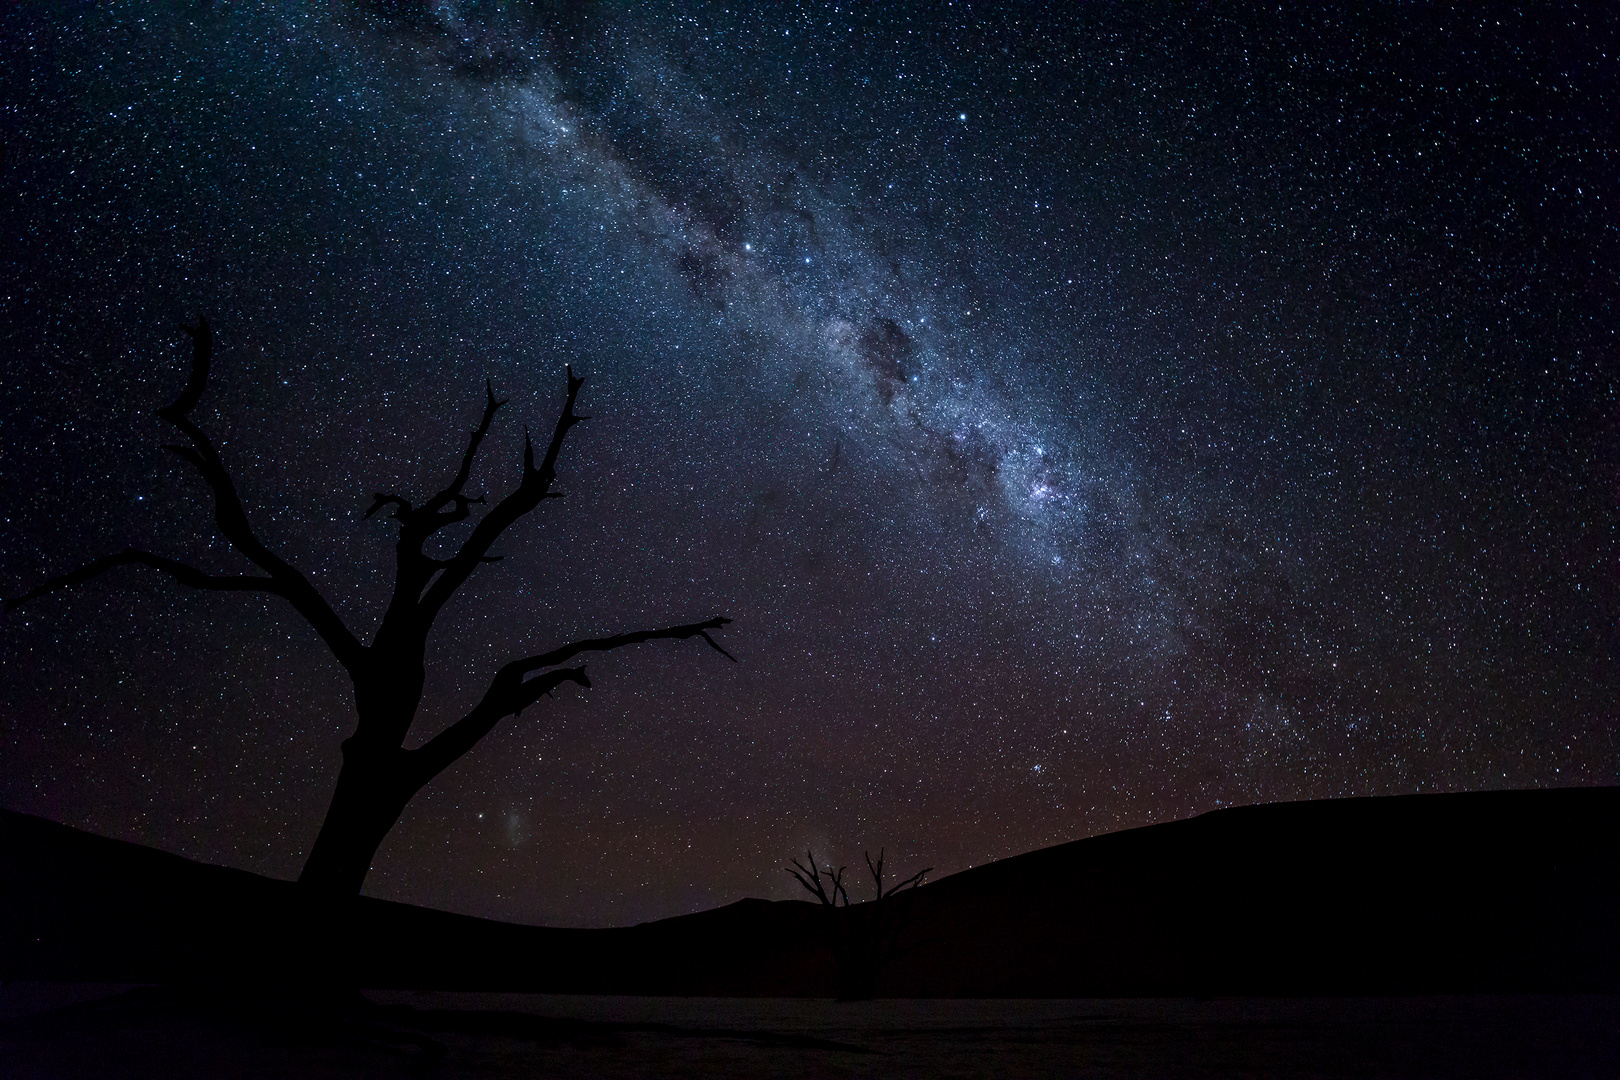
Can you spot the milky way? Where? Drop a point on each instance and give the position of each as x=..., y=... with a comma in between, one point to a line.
x=1088, y=418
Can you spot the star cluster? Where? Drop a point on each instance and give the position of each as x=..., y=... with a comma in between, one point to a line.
x=1089, y=416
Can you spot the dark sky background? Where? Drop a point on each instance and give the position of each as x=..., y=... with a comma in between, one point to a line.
x=1091, y=416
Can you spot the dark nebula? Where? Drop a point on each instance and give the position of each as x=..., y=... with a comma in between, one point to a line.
x=1090, y=416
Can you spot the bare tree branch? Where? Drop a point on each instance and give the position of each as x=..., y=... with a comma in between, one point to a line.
x=535, y=486
x=231, y=518
x=463, y=474
x=451, y=503
x=573, y=649
x=511, y=691
x=181, y=572
x=877, y=875
x=202, y=358
x=402, y=505
x=810, y=876
x=445, y=748
x=911, y=882
x=414, y=569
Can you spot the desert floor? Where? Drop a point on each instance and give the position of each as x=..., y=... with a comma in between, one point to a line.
x=110, y=1032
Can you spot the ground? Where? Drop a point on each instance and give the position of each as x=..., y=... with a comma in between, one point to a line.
x=112, y=1032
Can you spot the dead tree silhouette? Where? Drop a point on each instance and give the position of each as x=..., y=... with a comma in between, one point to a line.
x=378, y=775
x=865, y=937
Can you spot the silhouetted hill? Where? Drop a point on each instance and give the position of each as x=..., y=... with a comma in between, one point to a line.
x=1478, y=892
x=1482, y=892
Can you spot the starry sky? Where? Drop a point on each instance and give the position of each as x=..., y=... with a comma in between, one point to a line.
x=1090, y=415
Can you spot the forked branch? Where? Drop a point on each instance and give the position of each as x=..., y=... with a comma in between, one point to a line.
x=451, y=503
x=512, y=691
x=229, y=515
x=535, y=486
x=877, y=876
x=827, y=888
x=519, y=668
x=414, y=568
x=463, y=474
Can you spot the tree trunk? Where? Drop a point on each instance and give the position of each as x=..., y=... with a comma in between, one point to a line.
x=371, y=794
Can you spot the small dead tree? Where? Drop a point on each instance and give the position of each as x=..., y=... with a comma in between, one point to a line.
x=378, y=775
x=865, y=937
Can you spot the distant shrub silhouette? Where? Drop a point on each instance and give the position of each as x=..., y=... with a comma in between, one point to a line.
x=379, y=776
x=862, y=937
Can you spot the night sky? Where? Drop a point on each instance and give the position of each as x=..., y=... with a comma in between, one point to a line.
x=1090, y=416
